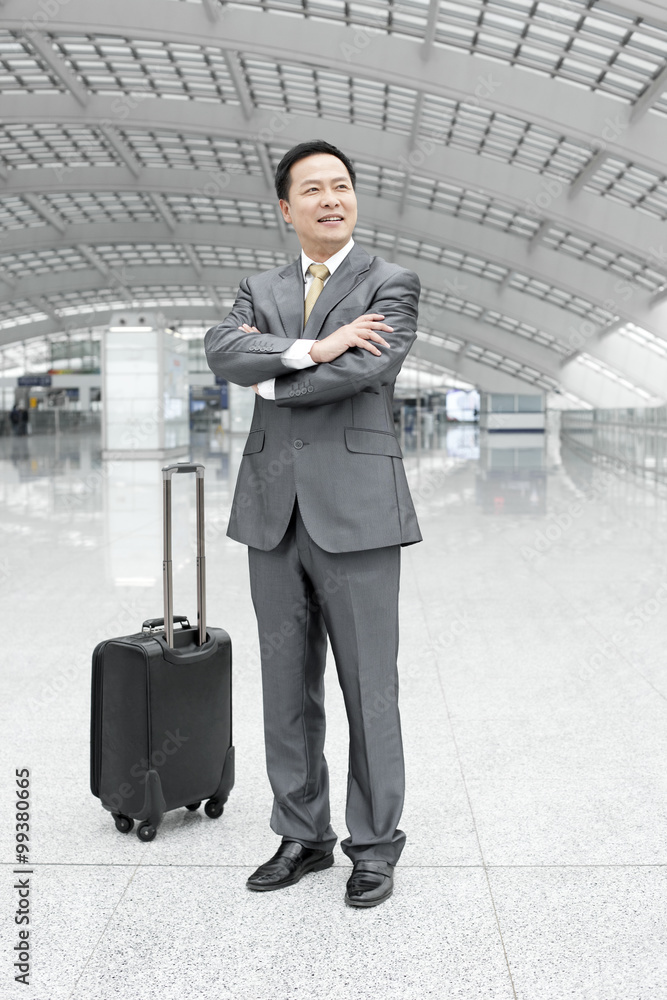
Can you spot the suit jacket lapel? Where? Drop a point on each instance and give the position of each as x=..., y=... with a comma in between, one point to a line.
x=346, y=277
x=288, y=293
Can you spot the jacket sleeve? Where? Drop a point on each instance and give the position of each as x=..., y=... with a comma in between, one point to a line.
x=240, y=357
x=357, y=370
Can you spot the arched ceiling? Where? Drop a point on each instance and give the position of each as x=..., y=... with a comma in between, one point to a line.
x=509, y=151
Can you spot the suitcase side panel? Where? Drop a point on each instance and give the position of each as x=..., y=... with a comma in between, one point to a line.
x=96, y=718
x=124, y=725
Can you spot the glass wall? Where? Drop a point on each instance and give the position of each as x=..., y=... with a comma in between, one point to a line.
x=634, y=439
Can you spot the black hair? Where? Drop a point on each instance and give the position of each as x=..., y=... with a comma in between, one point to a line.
x=300, y=152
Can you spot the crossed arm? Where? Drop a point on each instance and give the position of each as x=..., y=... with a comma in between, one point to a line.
x=354, y=358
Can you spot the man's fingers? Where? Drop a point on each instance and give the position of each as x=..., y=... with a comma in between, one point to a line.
x=372, y=335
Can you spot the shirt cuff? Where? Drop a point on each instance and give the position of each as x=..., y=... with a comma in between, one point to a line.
x=267, y=388
x=297, y=355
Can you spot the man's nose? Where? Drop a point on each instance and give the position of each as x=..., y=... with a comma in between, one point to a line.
x=330, y=198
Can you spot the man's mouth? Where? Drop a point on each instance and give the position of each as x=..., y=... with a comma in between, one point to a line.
x=331, y=218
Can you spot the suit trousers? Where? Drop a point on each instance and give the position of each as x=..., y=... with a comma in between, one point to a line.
x=301, y=593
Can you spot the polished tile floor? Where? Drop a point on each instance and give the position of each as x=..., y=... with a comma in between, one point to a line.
x=533, y=696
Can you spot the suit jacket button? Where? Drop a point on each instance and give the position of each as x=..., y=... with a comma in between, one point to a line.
x=298, y=444
x=291, y=392
x=310, y=388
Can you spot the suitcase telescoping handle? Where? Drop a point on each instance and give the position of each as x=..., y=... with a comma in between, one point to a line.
x=167, y=473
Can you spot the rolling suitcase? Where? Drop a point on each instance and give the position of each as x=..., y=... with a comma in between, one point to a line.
x=161, y=706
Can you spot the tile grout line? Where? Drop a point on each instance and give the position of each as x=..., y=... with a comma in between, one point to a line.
x=105, y=928
x=452, y=867
x=467, y=793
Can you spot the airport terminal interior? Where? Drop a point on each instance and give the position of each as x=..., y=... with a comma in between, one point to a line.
x=512, y=154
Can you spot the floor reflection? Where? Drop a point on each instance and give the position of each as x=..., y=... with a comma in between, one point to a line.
x=512, y=477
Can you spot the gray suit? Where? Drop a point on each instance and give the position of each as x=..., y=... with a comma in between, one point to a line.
x=323, y=504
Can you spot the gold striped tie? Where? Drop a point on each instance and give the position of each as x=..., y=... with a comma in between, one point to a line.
x=319, y=272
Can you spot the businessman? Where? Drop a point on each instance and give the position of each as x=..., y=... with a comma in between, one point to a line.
x=323, y=505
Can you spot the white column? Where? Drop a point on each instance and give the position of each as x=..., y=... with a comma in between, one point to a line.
x=144, y=389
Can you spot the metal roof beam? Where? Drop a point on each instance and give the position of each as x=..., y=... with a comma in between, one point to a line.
x=239, y=81
x=652, y=10
x=431, y=28
x=495, y=338
x=194, y=260
x=624, y=298
x=589, y=171
x=121, y=148
x=440, y=321
x=646, y=100
x=111, y=275
x=592, y=117
x=468, y=370
x=163, y=210
x=213, y=11
x=8, y=278
x=513, y=304
x=46, y=213
x=534, y=195
x=57, y=65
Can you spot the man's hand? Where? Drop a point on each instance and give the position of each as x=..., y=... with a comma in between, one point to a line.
x=361, y=332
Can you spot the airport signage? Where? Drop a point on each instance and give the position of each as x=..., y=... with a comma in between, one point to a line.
x=28, y=380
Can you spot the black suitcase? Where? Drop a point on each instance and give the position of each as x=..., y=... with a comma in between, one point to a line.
x=161, y=706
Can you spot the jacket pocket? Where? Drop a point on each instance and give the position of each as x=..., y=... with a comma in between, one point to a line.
x=254, y=443
x=367, y=442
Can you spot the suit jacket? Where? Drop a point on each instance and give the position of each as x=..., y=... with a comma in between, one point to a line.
x=328, y=438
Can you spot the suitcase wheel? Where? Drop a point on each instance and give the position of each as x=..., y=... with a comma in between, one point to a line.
x=123, y=823
x=213, y=808
x=146, y=832
x=193, y=807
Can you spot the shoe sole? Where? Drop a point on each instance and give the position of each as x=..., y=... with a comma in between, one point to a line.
x=318, y=866
x=368, y=902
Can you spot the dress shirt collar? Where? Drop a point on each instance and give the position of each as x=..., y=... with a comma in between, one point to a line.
x=332, y=263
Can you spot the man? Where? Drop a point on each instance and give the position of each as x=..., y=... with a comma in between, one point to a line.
x=323, y=504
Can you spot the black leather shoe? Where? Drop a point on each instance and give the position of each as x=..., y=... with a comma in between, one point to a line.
x=288, y=865
x=370, y=883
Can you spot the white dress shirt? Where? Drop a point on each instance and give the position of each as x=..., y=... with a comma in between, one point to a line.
x=298, y=355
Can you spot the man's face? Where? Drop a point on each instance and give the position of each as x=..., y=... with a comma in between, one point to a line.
x=322, y=205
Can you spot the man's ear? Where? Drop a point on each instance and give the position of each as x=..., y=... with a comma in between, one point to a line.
x=284, y=208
